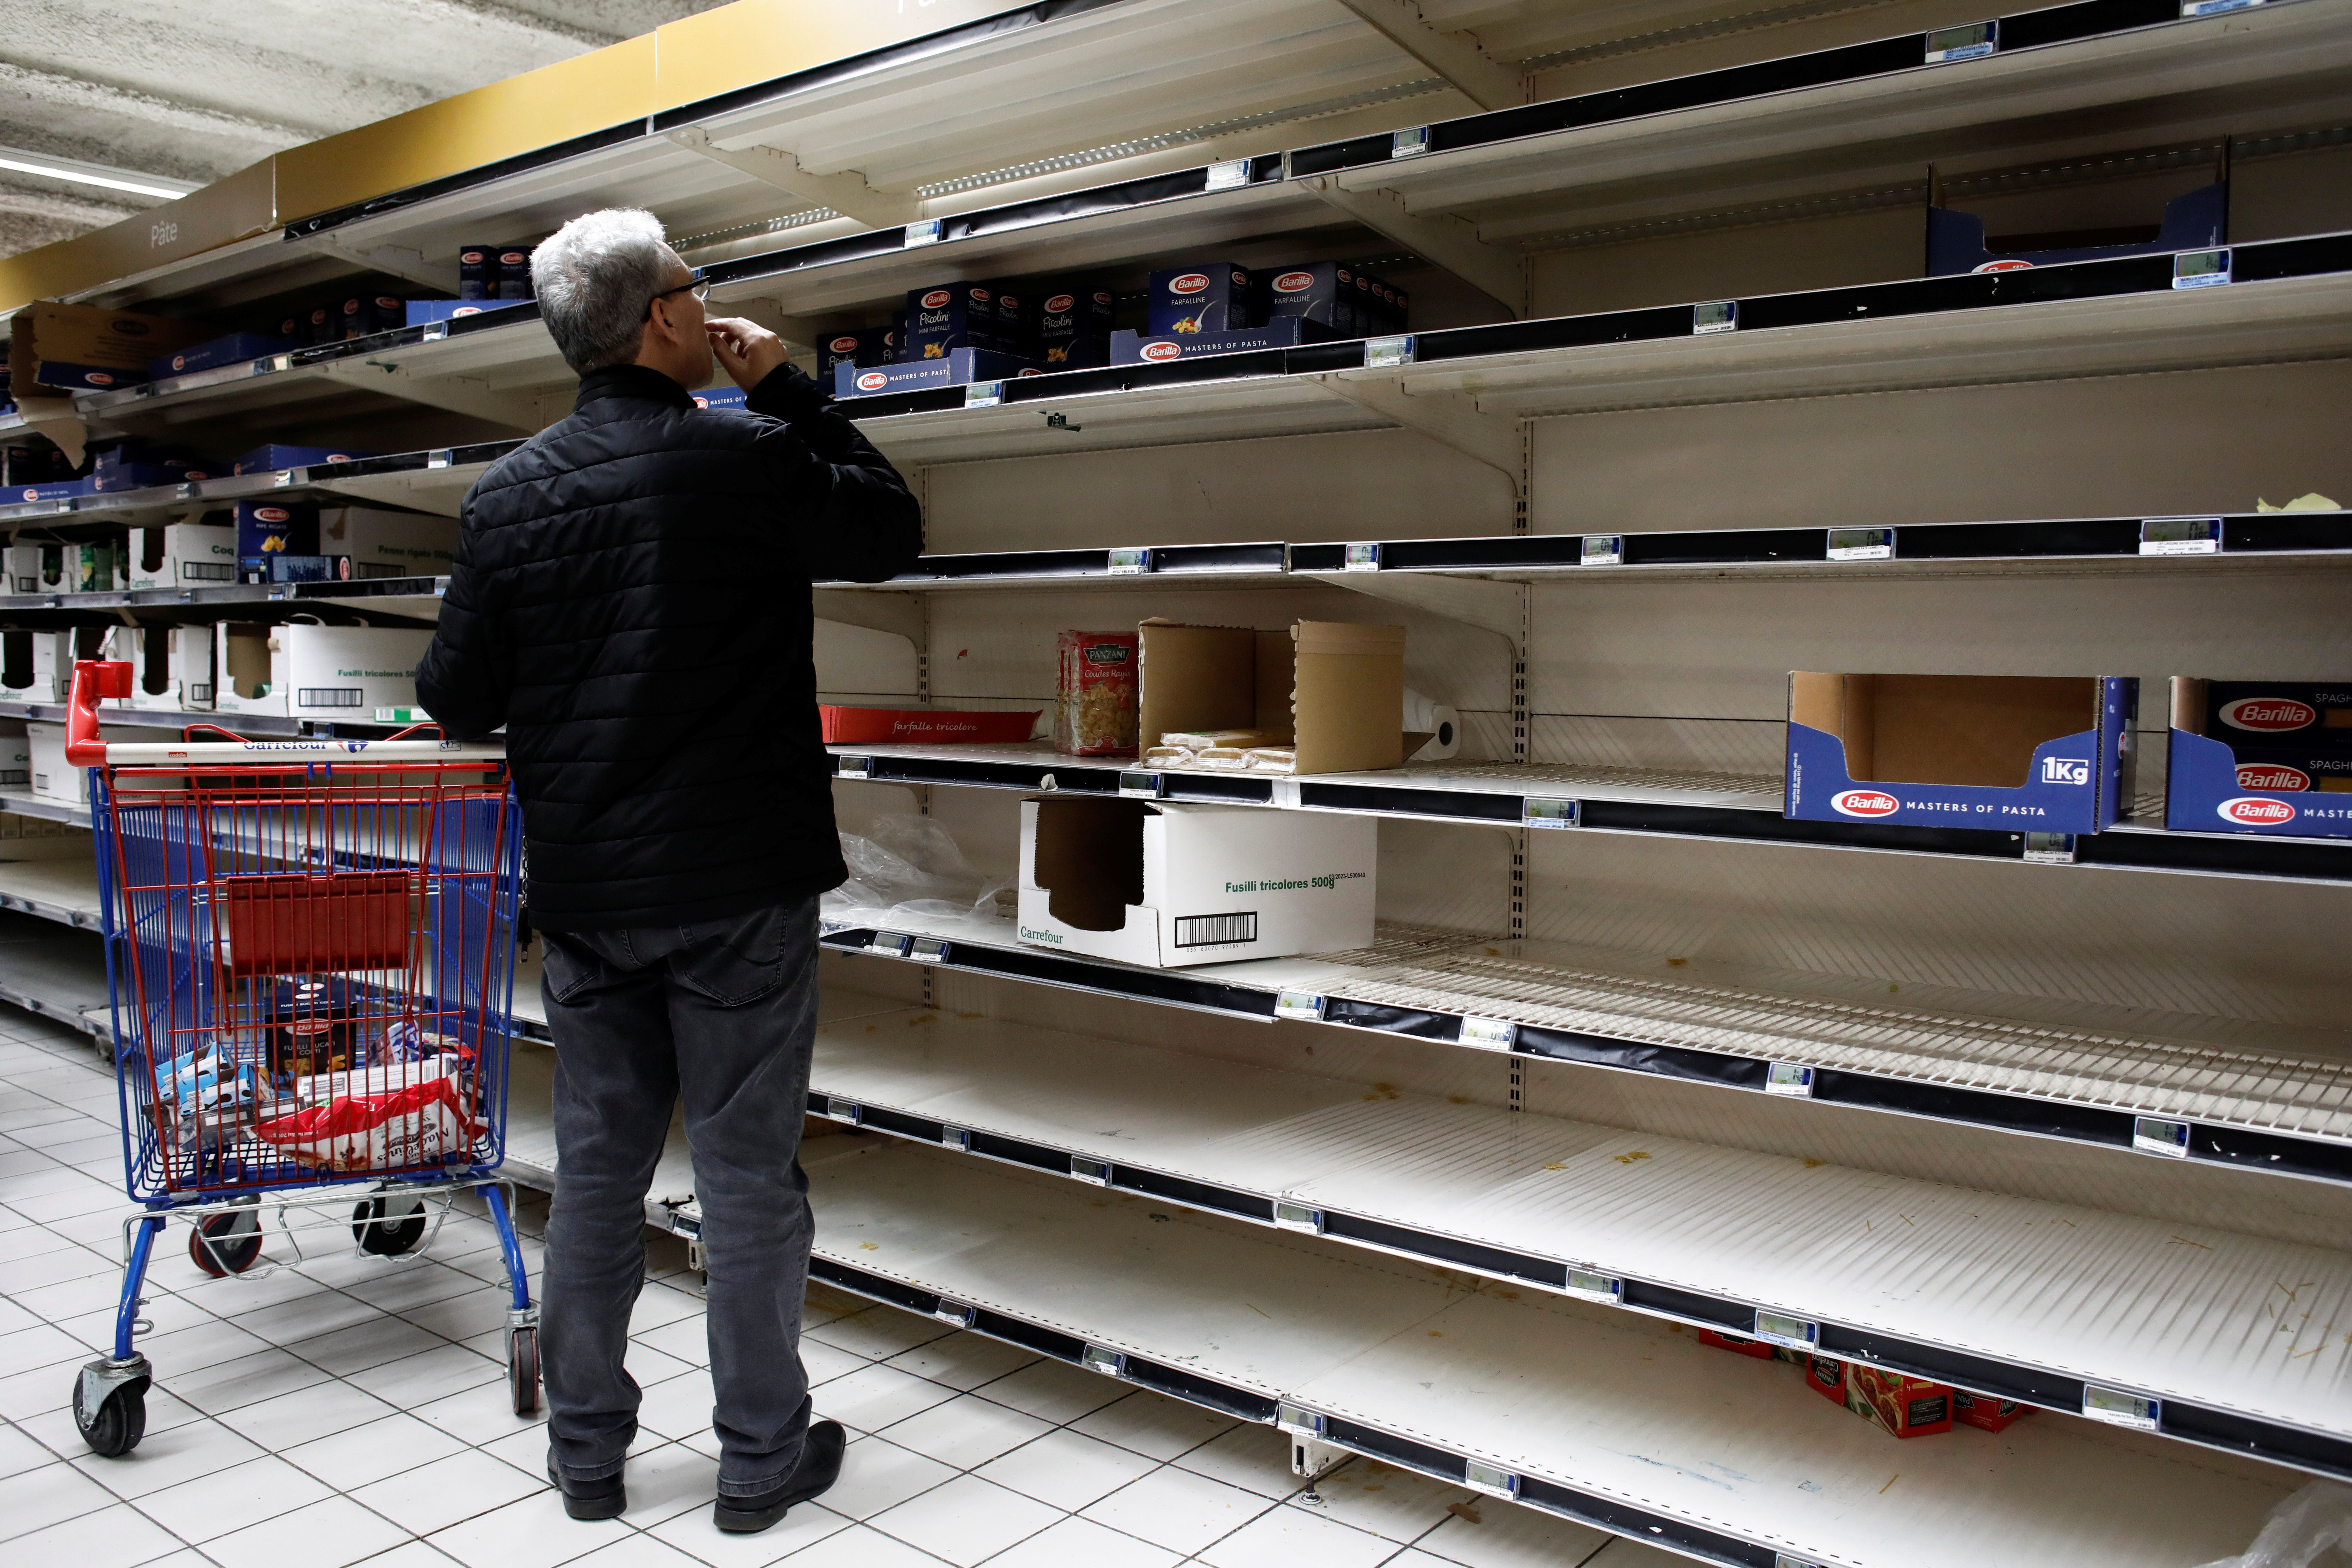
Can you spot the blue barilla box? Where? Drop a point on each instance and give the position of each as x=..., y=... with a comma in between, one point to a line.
x=2248, y=757
x=2006, y=752
x=1282, y=333
x=960, y=368
x=235, y=349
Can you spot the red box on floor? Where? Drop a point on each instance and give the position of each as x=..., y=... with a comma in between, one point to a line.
x=1825, y=1376
x=1983, y=1410
x=878, y=726
x=1907, y=1406
x=1736, y=1344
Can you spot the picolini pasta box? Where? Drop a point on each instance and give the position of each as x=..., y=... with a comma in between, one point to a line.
x=1097, y=687
x=881, y=726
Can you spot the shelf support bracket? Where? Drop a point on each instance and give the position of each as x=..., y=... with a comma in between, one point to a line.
x=1449, y=418
x=846, y=193
x=901, y=614
x=1463, y=65
x=1447, y=242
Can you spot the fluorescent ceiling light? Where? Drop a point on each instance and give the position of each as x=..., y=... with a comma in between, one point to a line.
x=81, y=173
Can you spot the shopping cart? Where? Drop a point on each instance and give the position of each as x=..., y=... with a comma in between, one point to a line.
x=310, y=954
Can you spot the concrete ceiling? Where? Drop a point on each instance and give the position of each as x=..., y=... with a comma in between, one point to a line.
x=193, y=89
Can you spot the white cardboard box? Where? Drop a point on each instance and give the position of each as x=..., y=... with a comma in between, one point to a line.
x=170, y=666
x=389, y=543
x=53, y=777
x=24, y=571
x=53, y=662
x=1169, y=886
x=16, y=757
x=303, y=671
x=182, y=555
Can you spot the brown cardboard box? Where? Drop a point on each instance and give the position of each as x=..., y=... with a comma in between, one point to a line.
x=84, y=334
x=1943, y=729
x=1337, y=686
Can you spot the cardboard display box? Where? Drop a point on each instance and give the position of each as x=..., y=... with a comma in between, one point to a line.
x=1282, y=333
x=959, y=367
x=2035, y=753
x=16, y=756
x=170, y=666
x=182, y=555
x=303, y=671
x=1169, y=886
x=2259, y=757
x=81, y=348
x=53, y=777
x=1337, y=686
x=382, y=543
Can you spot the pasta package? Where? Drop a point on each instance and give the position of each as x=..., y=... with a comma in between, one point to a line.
x=1096, y=716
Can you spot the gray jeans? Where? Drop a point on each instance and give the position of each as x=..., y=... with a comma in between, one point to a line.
x=719, y=1017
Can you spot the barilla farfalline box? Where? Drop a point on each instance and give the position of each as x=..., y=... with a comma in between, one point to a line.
x=324, y=324
x=2271, y=757
x=182, y=555
x=382, y=544
x=1320, y=292
x=2008, y=752
x=1017, y=311
x=477, y=272
x=1984, y=1410
x=1904, y=1406
x=947, y=317
x=514, y=273
x=1168, y=885
x=1073, y=326
x=859, y=346
x=265, y=527
x=1211, y=297
x=235, y=349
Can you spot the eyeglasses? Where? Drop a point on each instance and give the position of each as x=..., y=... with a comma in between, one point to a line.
x=699, y=287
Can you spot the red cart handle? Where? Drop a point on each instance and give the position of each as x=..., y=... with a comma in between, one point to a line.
x=93, y=680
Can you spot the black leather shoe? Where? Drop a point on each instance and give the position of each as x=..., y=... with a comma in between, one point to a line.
x=820, y=1467
x=606, y=1499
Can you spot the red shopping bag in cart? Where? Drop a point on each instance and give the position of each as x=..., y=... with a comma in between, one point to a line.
x=419, y=1125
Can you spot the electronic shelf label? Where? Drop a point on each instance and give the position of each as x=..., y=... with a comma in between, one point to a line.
x=2213, y=7
x=928, y=950
x=1105, y=1360
x=2050, y=849
x=1602, y=550
x=891, y=942
x=1963, y=43
x=1537, y=811
x=845, y=1111
x=1409, y=143
x=1592, y=1285
x=2200, y=268
x=437, y=459
x=1715, y=316
x=1386, y=353
x=1861, y=544
x=1226, y=175
x=1489, y=1034
x=956, y=1138
x=1130, y=562
x=983, y=394
x=959, y=1314
x=1095, y=1173
x=854, y=768
x=1299, y=1006
x=2117, y=1408
x=2159, y=1136
x=2180, y=536
x=1298, y=1216
x=926, y=232
x=1781, y=1329
x=1142, y=785
x=1793, y=1079
x=1360, y=558
x=1490, y=1479
x=1298, y=1421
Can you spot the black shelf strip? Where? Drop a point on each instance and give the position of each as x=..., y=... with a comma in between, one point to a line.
x=1192, y=1387
x=1190, y=1193
x=1620, y=1519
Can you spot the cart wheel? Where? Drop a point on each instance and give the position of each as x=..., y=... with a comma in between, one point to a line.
x=523, y=1370
x=226, y=1243
x=381, y=1234
x=118, y=1424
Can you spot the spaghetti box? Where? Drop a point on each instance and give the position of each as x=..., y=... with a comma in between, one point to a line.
x=1906, y=1407
x=1168, y=886
x=1739, y=1344
x=1212, y=298
x=2031, y=754
x=948, y=317
x=2259, y=757
x=514, y=273
x=1983, y=1410
x=235, y=349
x=1282, y=333
x=477, y=272
x=376, y=542
x=861, y=346
x=720, y=397
x=960, y=367
x=274, y=460
x=132, y=466
x=417, y=313
x=182, y=555
x=1017, y=313
x=267, y=528
x=1324, y=291
x=1072, y=326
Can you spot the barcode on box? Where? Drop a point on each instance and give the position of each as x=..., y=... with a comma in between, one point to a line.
x=330, y=696
x=207, y=571
x=1210, y=931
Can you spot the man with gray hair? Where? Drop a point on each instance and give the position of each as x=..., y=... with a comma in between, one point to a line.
x=630, y=601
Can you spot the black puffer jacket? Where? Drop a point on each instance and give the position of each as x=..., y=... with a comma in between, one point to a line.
x=631, y=600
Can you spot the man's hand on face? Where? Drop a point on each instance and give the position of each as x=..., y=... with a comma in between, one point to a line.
x=747, y=351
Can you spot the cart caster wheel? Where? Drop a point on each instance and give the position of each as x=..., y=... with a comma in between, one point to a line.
x=226, y=1243
x=523, y=1370
x=381, y=1234
x=119, y=1421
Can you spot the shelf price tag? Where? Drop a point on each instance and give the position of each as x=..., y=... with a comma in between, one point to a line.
x=1385, y=353
x=2213, y=7
x=853, y=767
x=1782, y=1560
x=1715, y=316
x=1861, y=544
x=2180, y=536
x=1409, y=143
x=1106, y=1360
x=1095, y=1173
x=895, y=943
x=1298, y=1216
x=926, y=232
x=1537, y=811
x=1602, y=550
x=1297, y=1420
x=2200, y=268
x=1226, y=175
x=983, y=394
x=1360, y=558
x=2050, y=849
x=956, y=1138
x=844, y=1110
x=1490, y=1479
x=1780, y=1329
x=1142, y=785
x=1299, y=1006
x=959, y=1314
x=1793, y=1078
x=928, y=950
x=2160, y=1135
x=1946, y=45
x=1591, y=1285
x=1130, y=562
x=437, y=459
x=2117, y=1408
x=1489, y=1034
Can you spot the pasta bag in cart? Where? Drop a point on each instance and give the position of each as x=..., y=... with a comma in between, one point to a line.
x=1097, y=687
x=419, y=1125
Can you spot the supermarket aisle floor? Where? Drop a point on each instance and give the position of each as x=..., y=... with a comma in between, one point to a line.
x=353, y=1410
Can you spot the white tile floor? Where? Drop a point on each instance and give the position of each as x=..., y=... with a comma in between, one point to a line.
x=354, y=1410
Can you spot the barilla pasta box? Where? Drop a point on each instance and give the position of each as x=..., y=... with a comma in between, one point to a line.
x=1214, y=297
x=1072, y=326
x=514, y=273
x=272, y=459
x=960, y=367
x=1017, y=310
x=376, y=542
x=1904, y=1406
x=417, y=313
x=1169, y=886
x=1983, y=1410
x=720, y=397
x=862, y=346
x=238, y=348
x=267, y=528
x=477, y=272
x=2011, y=753
x=947, y=317
x=2259, y=757
x=1282, y=333
x=52, y=490
x=1323, y=291
x=324, y=324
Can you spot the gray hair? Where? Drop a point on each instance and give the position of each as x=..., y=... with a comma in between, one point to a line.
x=593, y=278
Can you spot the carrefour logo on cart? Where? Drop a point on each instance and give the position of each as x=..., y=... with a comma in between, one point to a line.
x=1191, y=283
x=1162, y=351
x=1864, y=803
x=2271, y=776
x=2254, y=811
x=2269, y=715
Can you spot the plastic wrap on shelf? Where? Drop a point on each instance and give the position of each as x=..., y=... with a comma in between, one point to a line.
x=909, y=865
